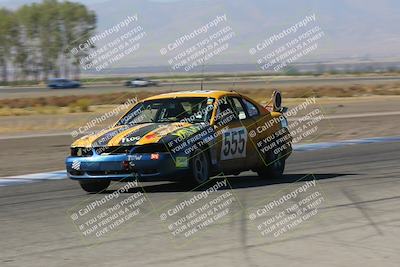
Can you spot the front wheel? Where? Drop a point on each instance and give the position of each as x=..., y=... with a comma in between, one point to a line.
x=200, y=168
x=274, y=167
x=94, y=186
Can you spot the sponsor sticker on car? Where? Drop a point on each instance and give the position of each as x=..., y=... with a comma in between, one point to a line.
x=181, y=162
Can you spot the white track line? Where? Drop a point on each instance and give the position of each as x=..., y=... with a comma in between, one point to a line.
x=62, y=174
x=33, y=177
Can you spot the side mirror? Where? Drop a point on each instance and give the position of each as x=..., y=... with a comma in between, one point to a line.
x=277, y=101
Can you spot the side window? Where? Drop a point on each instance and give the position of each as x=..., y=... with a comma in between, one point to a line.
x=238, y=108
x=252, y=110
x=226, y=111
x=230, y=109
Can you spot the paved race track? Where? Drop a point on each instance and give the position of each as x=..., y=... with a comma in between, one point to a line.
x=357, y=224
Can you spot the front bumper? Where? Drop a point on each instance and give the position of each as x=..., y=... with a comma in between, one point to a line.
x=125, y=167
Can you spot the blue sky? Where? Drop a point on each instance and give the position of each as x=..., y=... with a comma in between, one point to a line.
x=99, y=1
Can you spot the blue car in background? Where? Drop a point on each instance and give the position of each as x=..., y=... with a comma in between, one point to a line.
x=62, y=83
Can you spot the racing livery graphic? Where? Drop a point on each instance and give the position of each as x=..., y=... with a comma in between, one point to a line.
x=186, y=137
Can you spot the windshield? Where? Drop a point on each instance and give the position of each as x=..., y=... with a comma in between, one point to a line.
x=191, y=109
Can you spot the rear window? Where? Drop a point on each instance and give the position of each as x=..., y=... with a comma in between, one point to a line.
x=252, y=109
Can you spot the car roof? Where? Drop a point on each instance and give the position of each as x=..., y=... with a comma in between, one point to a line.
x=198, y=93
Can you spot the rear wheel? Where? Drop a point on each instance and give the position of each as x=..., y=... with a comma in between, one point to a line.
x=94, y=186
x=200, y=168
x=274, y=167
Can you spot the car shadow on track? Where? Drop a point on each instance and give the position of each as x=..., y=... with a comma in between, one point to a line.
x=235, y=182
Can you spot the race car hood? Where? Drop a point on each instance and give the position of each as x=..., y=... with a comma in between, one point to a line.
x=140, y=134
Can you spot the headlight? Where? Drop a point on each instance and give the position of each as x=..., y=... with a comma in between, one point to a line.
x=81, y=152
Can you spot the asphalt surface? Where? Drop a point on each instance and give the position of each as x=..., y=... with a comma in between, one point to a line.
x=7, y=92
x=357, y=224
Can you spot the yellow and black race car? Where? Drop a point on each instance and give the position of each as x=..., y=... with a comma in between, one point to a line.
x=187, y=137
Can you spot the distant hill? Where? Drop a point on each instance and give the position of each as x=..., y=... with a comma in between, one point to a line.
x=353, y=28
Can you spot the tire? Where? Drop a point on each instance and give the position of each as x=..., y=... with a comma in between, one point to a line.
x=274, y=169
x=94, y=186
x=199, y=168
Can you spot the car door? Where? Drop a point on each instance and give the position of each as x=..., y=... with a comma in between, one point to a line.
x=63, y=83
x=254, y=116
x=235, y=152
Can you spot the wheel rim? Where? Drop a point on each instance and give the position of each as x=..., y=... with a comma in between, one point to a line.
x=200, y=168
x=277, y=162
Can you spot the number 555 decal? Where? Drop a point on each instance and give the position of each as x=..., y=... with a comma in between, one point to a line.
x=234, y=143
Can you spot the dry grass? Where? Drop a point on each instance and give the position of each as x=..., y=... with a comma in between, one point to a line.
x=42, y=110
x=74, y=104
x=325, y=91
